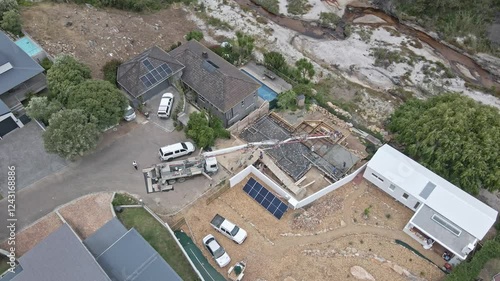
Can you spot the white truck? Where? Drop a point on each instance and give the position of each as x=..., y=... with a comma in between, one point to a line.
x=228, y=229
x=160, y=177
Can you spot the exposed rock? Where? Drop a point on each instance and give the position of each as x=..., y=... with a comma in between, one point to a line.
x=361, y=274
x=398, y=269
x=342, y=223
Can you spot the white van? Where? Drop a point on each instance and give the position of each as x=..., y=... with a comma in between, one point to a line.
x=175, y=150
x=166, y=103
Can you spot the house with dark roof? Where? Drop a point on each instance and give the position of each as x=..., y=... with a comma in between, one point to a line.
x=19, y=75
x=148, y=74
x=111, y=253
x=218, y=86
x=213, y=83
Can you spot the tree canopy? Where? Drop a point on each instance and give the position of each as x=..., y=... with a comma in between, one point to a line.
x=204, y=129
x=42, y=109
x=65, y=73
x=275, y=61
x=11, y=21
x=244, y=46
x=109, y=70
x=71, y=133
x=454, y=136
x=8, y=5
x=99, y=99
x=287, y=99
x=305, y=68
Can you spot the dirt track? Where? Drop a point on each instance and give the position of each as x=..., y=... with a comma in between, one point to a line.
x=95, y=36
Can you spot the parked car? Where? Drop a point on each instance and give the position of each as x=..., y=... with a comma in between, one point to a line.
x=175, y=150
x=166, y=104
x=216, y=250
x=228, y=229
x=129, y=114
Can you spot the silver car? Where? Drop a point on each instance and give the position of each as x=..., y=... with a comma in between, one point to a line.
x=216, y=250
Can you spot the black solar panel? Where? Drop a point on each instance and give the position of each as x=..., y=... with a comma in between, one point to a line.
x=166, y=68
x=148, y=64
x=265, y=198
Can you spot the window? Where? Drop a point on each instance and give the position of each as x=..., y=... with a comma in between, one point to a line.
x=202, y=98
x=447, y=225
x=377, y=177
x=405, y=195
x=416, y=205
x=392, y=187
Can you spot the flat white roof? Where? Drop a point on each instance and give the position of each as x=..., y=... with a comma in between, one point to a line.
x=456, y=205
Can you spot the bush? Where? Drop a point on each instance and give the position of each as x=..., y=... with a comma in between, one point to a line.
x=261, y=20
x=218, y=23
x=194, y=34
x=46, y=63
x=109, y=70
x=272, y=6
x=173, y=46
x=328, y=20
x=298, y=7
x=11, y=22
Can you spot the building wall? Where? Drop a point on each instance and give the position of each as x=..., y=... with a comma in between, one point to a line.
x=241, y=110
x=396, y=192
x=156, y=90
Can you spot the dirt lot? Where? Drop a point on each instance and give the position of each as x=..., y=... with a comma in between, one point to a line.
x=89, y=213
x=95, y=36
x=321, y=242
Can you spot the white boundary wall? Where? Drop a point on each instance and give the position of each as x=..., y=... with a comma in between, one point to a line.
x=313, y=197
x=292, y=201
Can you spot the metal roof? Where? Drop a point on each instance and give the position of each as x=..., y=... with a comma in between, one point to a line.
x=211, y=76
x=131, y=258
x=105, y=236
x=23, y=66
x=454, y=204
x=60, y=257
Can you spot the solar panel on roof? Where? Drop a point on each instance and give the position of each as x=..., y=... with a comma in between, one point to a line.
x=148, y=64
x=265, y=198
x=144, y=79
x=166, y=68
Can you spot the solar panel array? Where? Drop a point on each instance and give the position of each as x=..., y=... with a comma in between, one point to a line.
x=155, y=74
x=265, y=198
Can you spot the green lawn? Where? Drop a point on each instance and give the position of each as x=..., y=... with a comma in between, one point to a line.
x=159, y=238
x=124, y=199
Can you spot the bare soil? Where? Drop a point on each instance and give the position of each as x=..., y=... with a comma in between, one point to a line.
x=88, y=214
x=319, y=242
x=95, y=36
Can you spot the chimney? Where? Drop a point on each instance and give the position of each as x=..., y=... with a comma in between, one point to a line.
x=204, y=55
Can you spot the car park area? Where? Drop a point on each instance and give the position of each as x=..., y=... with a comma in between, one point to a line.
x=152, y=105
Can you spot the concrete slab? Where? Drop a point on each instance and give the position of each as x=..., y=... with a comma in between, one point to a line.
x=24, y=149
x=152, y=106
x=278, y=85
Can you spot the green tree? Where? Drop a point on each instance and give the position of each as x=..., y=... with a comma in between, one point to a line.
x=100, y=99
x=287, y=100
x=219, y=130
x=275, y=61
x=305, y=68
x=11, y=22
x=41, y=108
x=199, y=131
x=454, y=136
x=8, y=5
x=194, y=34
x=245, y=45
x=71, y=133
x=65, y=73
x=303, y=89
x=109, y=70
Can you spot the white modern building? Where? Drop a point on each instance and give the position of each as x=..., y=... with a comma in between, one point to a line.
x=445, y=216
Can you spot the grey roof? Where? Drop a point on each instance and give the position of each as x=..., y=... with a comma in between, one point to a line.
x=4, y=109
x=23, y=66
x=130, y=72
x=218, y=81
x=131, y=258
x=423, y=220
x=60, y=257
x=105, y=236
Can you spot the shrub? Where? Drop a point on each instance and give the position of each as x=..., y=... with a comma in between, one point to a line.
x=272, y=6
x=11, y=22
x=218, y=23
x=328, y=20
x=194, y=34
x=46, y=63
x=109, y=70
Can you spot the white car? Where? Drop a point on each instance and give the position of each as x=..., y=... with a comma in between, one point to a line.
x=129, y=114
x=216, y=250
x=166, y=103
x=175, y=150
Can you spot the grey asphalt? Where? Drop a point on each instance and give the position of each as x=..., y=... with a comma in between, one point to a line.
x=24, y=149
x=153, y=104
x=108, y=169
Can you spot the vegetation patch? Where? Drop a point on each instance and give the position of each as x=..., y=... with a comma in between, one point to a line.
x=272, y=6
x=131, y=5
x=109, y=70
x=329, y=20
x=298, y=7
x=218, y=23
x=385, y=57
x=159, y=238
x=124, y=199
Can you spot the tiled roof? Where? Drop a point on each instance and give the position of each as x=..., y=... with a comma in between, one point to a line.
x=129, y=73
x=218, y=81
